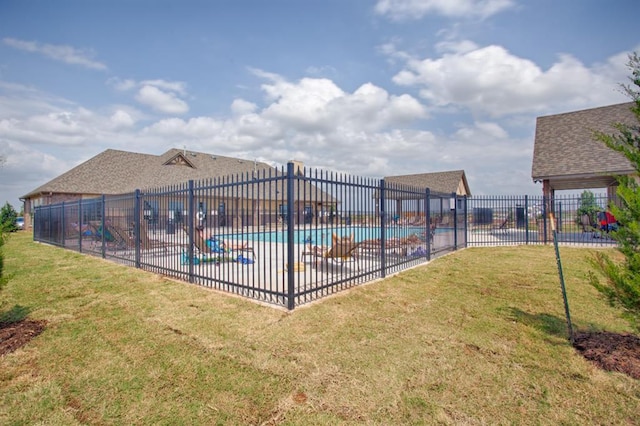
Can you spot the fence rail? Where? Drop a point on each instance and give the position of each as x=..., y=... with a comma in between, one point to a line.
x=288, y=237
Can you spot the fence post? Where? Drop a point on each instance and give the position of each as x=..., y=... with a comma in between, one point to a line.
x=190, y=224
x=291, y=302
x=454, y=197
x=62, y=227
x=80, y=222
x=427, y=209
x=466, y=222
x=136, y=226
x=103, y=211
x=526, y=219
x=545, y=211
x=383, y=231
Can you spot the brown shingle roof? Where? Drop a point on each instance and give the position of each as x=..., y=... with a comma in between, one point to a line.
x=115, y=172
x=565, y=149
x=442, y=182
x=118, y=172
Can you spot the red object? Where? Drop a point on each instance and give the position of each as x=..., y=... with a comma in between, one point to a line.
x=610, y=218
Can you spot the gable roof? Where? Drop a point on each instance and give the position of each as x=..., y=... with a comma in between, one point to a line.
x=118, y=172
x=442, y=182
x=567, y=155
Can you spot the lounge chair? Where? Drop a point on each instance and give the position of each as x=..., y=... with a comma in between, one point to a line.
x=217, y=246
x=147, y=243
x=342, y=248
x=502, y=226
x=445, y=221
x=375, y=245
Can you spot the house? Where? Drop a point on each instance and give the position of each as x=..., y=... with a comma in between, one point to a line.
x=567, y=156
x=441, y=183
x=114, y=172
x=448, y=182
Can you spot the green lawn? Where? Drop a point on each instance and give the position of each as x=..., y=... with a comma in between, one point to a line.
x=476, y=337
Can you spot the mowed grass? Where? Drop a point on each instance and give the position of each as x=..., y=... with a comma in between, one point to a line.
x=476, y=337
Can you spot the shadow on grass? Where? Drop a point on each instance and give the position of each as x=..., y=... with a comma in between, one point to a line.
x=16, y=314
x=549, y=324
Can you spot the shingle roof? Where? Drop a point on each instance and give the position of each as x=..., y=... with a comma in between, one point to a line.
x=119, y=172
x=565, y=149
x=114, y=172
x=442, y=182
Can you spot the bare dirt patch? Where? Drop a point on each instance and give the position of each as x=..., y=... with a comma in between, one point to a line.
x=611, y=351
x=15, y=335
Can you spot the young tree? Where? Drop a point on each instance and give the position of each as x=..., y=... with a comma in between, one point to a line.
x=8, y=216
x=622, y=280
x=588, y=205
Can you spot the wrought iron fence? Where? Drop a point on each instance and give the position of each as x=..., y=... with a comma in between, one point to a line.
x=503, y=220
x=285, y=237
x=288, y=237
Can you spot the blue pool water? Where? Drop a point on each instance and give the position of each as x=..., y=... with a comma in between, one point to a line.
x=322, y=236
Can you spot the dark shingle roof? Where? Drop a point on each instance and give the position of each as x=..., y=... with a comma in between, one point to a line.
x=565, y=148
x=442, y=182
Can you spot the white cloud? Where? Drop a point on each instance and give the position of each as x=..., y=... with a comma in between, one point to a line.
x=161, y=101
x=177, y=87
x=122, y=85
x=302, y=105
x=160, y=95
x=62, y=53
x=240, y=106
x=121, y=120
x=492, y=81
x=51, y=129
x=319, y=105
x=416, y=9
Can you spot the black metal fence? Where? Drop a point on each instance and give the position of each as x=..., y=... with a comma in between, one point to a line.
x=284, y=237
x=503, y=220
x=288, y=237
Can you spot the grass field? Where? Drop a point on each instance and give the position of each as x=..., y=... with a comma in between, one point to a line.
x=476, y=337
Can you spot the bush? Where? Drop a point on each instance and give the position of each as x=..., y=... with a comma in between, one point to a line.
x=622, y=280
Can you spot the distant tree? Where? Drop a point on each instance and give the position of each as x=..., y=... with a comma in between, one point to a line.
x=8, y=216
x=588, y=205
x=622, y=279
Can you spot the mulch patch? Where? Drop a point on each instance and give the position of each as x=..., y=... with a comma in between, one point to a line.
x=611, y=351
x=15, y=335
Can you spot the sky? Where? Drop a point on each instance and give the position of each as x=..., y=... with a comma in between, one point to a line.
x=364, y=87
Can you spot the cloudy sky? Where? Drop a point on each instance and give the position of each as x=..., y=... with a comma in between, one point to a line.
x=368, y=87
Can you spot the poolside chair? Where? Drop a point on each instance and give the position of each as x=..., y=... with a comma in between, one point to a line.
x=445, y=221
x=502, y=226
x=342, y=249
x=217, y=246
x=375, y=245
x=147, y=243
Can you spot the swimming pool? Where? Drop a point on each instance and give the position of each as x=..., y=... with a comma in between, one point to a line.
x=322, y=236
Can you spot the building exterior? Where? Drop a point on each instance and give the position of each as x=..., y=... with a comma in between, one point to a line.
x=114, y=172
x=445, y=183
x=448, y=182
x=567, y=156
